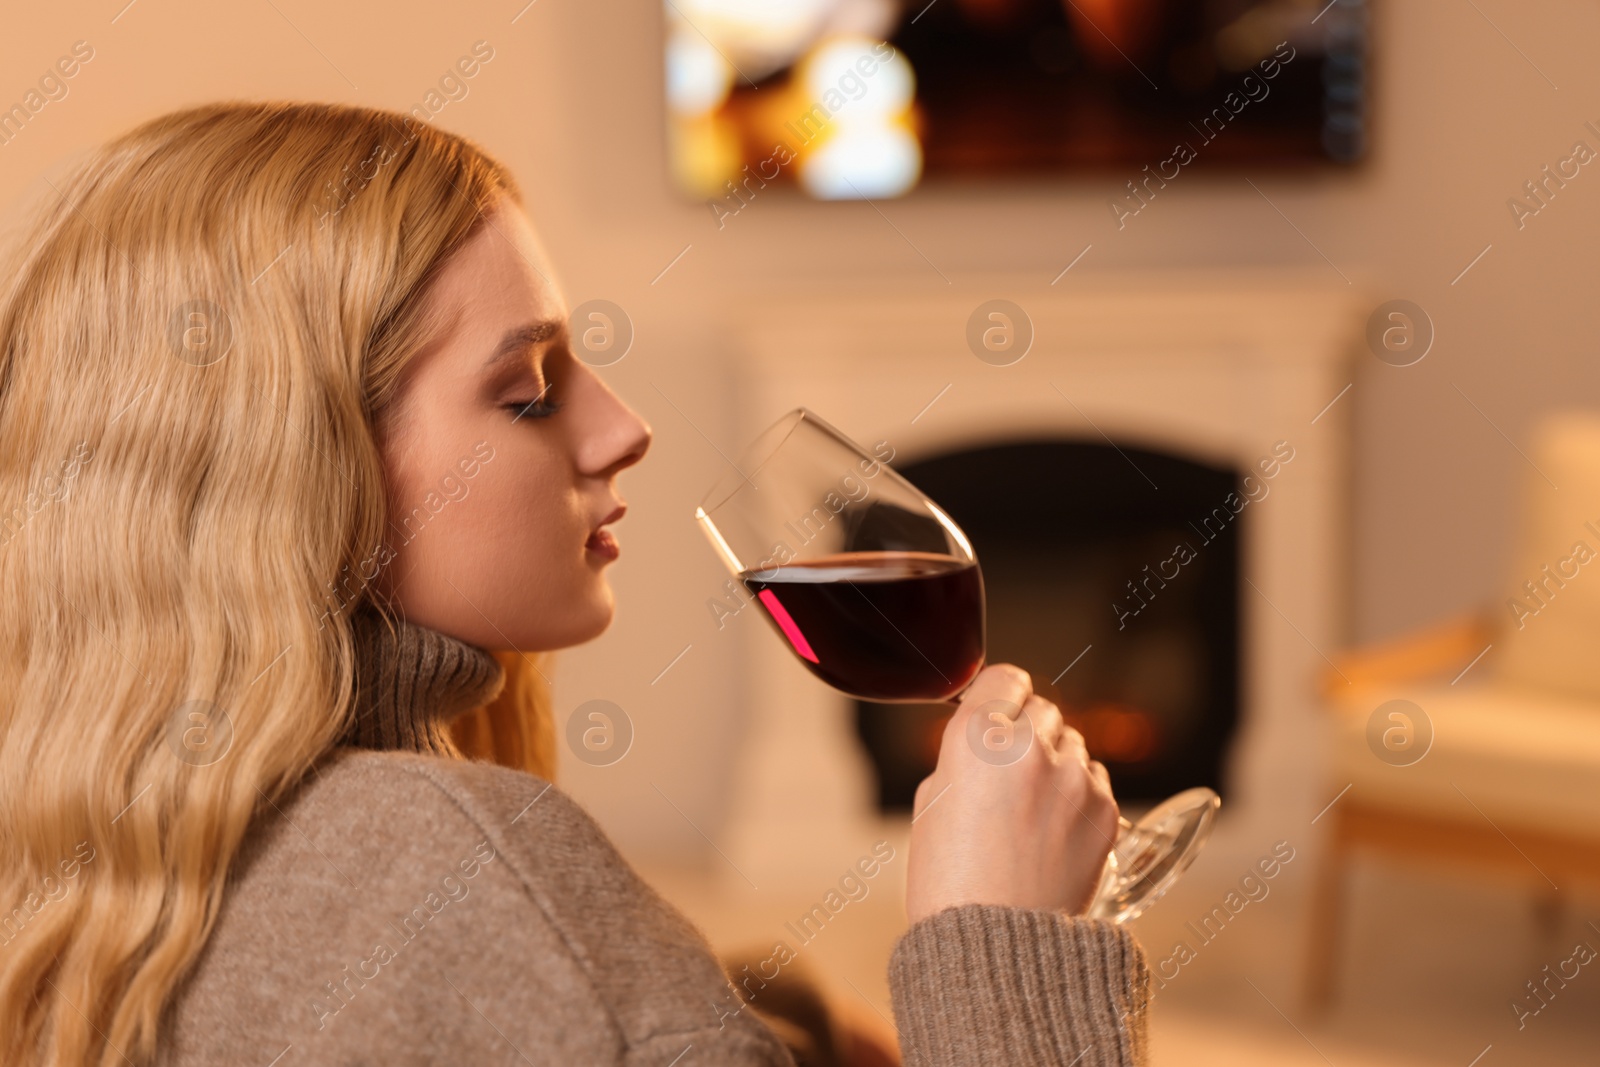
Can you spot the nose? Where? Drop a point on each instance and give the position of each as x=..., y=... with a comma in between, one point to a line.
x=617, y=438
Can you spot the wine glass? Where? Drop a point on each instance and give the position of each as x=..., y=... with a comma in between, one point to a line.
x=878, y=593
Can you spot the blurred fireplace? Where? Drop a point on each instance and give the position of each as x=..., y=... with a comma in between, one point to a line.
x=1196, y=377
x=1077, y=547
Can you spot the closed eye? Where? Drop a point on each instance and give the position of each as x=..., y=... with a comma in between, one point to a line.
x=540, y=407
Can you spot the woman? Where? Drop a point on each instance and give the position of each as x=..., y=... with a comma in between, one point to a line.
x=306, y=475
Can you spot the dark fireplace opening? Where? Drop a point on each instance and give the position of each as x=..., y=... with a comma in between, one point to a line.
x=1112, y=577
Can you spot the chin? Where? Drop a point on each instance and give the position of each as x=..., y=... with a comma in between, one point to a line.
x=587, y=619
x=600, y=625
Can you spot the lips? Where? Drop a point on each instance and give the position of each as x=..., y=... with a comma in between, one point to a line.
x=603, y=542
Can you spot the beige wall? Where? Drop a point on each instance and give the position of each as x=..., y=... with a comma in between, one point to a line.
x=571, y=99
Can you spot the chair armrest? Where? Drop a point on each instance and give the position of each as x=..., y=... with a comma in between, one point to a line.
x=1438, y=648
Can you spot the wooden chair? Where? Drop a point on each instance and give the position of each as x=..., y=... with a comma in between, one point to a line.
x=1510, y=784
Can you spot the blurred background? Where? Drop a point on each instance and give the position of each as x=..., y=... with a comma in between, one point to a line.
x=1304, y=286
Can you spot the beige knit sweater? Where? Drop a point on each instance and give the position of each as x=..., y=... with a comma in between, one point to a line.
x=405, y=907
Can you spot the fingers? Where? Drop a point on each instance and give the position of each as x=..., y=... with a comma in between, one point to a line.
x=1073, y=745
x=1000, y=682
x=1000, y=689
x=1006, y=690
x=1051, y=728
x=1102, y=781
x=1046, y=720
x=1101, y=776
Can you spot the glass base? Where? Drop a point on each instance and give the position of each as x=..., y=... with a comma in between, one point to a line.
x=1151, y=854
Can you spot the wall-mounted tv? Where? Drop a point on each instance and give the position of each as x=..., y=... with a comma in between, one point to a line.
x=850, y=99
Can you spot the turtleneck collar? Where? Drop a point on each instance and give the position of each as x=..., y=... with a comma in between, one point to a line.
x=412, y=680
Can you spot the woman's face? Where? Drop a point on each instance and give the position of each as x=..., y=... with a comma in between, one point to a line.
x=501, y=457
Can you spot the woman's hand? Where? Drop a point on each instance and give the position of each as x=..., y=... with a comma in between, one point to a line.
x=1015, y=812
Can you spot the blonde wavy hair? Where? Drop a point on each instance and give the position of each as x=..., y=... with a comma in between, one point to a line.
x=203, y=328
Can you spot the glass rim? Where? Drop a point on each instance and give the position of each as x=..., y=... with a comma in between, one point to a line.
x=722, y=491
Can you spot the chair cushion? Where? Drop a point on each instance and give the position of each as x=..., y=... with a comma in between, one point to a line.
x=1524, y=756
x=1549, y=607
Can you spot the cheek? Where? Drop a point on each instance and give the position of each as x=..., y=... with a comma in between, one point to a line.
x=516, y=549
x=522, y=513
x=500, y=559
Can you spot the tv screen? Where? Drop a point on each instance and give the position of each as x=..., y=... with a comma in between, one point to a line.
x=852, y=99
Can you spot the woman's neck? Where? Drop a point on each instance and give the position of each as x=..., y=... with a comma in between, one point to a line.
x=412, y=680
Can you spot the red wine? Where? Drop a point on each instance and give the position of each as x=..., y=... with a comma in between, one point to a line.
x=888, y=626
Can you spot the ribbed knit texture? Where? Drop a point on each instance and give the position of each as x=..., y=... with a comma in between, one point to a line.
x=400, y=908
x=411, y=681
x=983, y=983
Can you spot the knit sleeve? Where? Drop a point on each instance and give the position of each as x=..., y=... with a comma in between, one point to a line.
x=985, y=983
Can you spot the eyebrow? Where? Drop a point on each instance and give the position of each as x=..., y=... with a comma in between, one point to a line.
x=519, y=339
